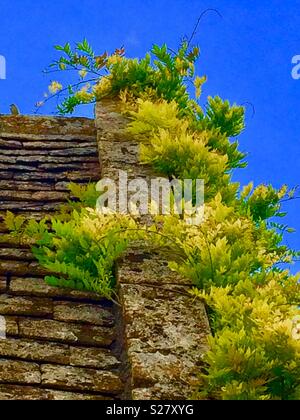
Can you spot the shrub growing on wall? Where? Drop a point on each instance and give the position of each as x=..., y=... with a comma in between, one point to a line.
x=235, y=258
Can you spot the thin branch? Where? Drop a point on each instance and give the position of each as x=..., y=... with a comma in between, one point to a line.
x=149, y=232
x=172, y=51
x=59, y=70
x=74, y=86
x=252, y=106
x=75, y=69
x=198, y=23
x=289, y=199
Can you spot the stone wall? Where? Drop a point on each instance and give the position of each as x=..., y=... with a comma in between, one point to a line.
x=164, y=333
x=63, y=344
x=59, y=343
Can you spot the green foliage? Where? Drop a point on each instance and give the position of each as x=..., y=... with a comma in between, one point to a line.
x=174, y=148
x=81, y=251
x=219, y=114
x=234, y=258
x=263, y=203
x=161, y=74
x=86, y=194
x=254, y=353
x=253, y=307
x=14, y=223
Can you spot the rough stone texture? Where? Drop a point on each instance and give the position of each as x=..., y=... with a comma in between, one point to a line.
x=93, y=358
x=165, y=334
x=21, y=268
x=12, y=327
x=49, y=128
x=11, y=305
x=62, y=344
x=138, y=260
x=83, y=313
x=187, y=333
x=66, y=334
x=39, y=153
x=13, y=392
x=117, y=150
x=17, y=254
x=81, y=379
x=35, y=351
x=33, y=196
x=38, y=287
x=19, y=372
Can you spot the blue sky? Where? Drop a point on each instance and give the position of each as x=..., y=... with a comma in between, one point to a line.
x=246, y=56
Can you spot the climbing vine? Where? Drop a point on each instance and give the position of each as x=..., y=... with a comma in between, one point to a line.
x=235, y=258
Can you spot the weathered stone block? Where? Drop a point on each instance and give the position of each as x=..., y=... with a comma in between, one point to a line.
x=33, y=196
x=12, y=305
x=7, y=241
x=11, y=144
x=34, y=268
x=29, y=393
x=92, y=174
x=12, y=328
x=81, y=379
x=109, y=121
x=166, y=337
x=50, y=148
x=25, y=127
x=160, y=392
x=159, y=319
x=83, y=313
x=141, y=267
x=19, y=372
x=31, y=286
x=122, y=152
x=40, y=160
x=13, y=267
x=29, y=206
x=35, y=351
x=25, y=186
x=16, y=253
x=38, y=287
x=56, y=144
x=21, y=268
x=113, y=173
x=94, y=358
x=172, y=376
x=66, y=332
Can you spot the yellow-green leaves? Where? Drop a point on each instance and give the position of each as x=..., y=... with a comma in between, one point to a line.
x=55, y=87
x=220, y=114
x=153, y=116
x=199, y=82
x=234, y=258
x=246, y=190
x=14, y=223
x=263, y=203
x=253, y=306
x=254, y=354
